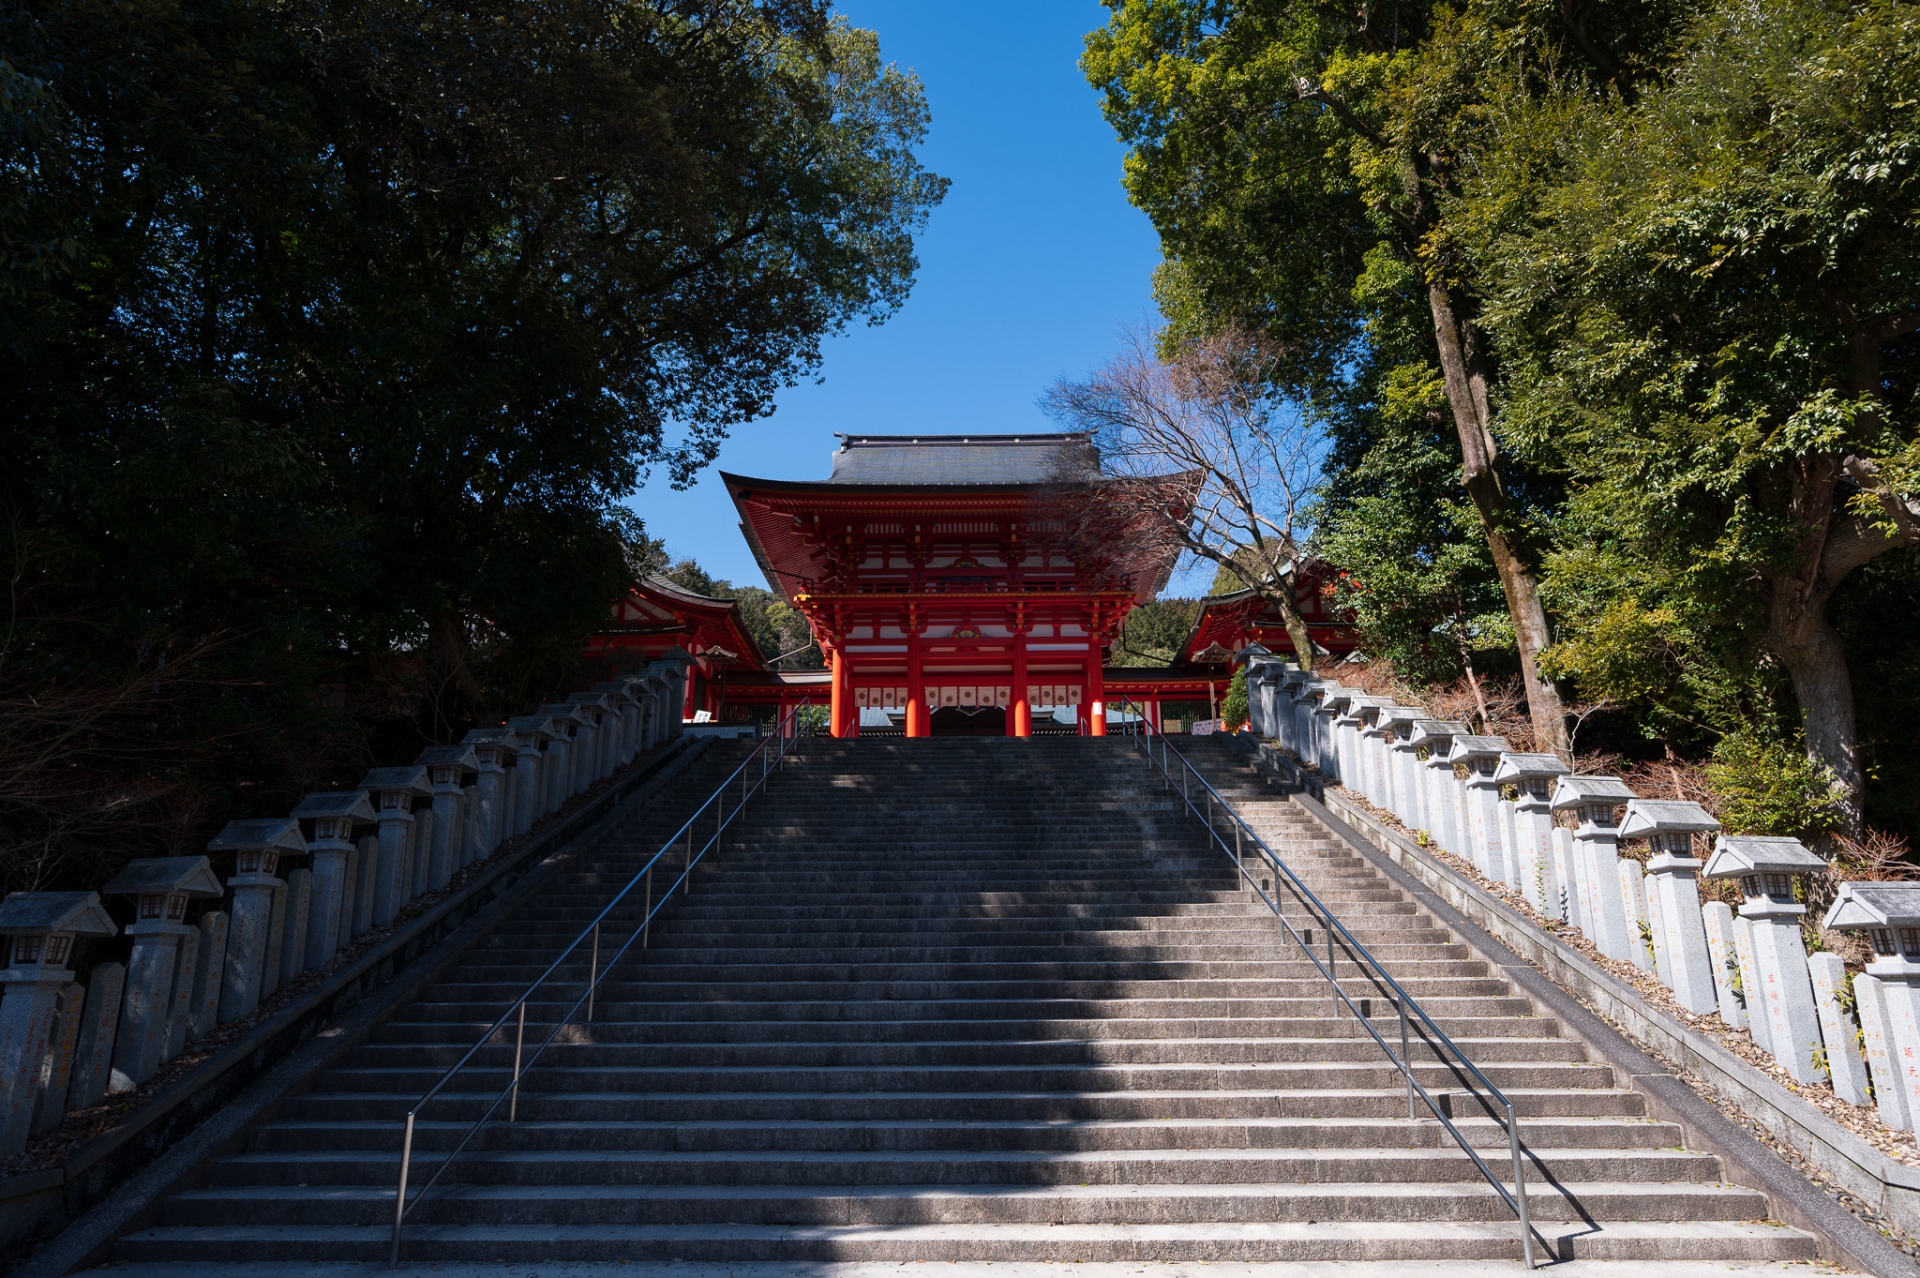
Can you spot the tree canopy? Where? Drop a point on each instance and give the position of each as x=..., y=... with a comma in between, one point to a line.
x=340, y=332
x=1607, y=307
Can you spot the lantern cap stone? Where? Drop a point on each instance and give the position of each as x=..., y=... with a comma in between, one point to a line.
x=1397, y=715
x=619, y=688
x=1427, y=732
x=190, y=874
x=591, y=697
x=1529, y=767
x=1666, y=816
x=448, y=756
x=494, y=735
x=1468, y=746
x=412, y=778
x=536, y=724
x=1735, y=855
x=43, y=912
x=562, y=710
x=257, y=834
x=1572, y=791
x=1875, y=905
x=351, y=804
x=1337, y=697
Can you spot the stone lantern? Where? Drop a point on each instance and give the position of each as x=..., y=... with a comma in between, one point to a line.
x=528, y=733
x=1887, y=994
x=393, y=791
x=332, y=817
x=1765, y=868
x=1331, y=702
x=623, y=696
x=590, y=759
x=1307, y=723
x=165, y=954
x=1596, y=858
x=1542, y=881
x=1432, y=743
x=1483, y=828
x=1347, y=728
x=493, y=750
x=1370, y=774
x=1284, y=686
x=1402, y=770
x=42, y=1003
x=675, y=664
x=447, y=769
x=613, y=696
x=565, y=722
x=1679, y=934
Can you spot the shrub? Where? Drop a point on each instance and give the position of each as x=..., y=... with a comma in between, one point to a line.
x=1771, y=787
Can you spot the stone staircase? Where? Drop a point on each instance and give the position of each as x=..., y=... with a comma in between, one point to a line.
x=964, y=999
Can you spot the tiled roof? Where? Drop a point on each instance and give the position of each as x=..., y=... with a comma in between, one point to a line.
x=996, y=460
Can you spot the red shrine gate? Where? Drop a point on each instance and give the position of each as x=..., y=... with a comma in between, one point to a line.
x=953, y=573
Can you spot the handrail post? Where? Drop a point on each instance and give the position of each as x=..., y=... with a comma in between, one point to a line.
x=593, y=972
x=400, y=1194
x=1406, y=1061
x=687, y=874
x=646, y=912
x=1333, y=986
x=519, y=1040
x=1519, y=1187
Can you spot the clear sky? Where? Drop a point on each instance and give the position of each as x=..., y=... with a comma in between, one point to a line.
x=1031, y=269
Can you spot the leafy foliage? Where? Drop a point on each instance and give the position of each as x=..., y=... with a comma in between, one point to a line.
x=338, y=333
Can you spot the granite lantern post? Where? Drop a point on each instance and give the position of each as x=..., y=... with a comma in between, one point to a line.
x=529, y=795
x=1375, y=731
x=1596, y=857
x=1432, y=743
x=1347, y=728
x=332, y=817
x=1284, y=688
x=591, y=746
x=1399, y=766
x=40, y=928
x=161, y=888
x=252, y=967
x=1889, y=1095
x=677, y=662
x=1485, y=835
x=1633, y=892
x=565, y=722
x=1328, y=739
x=1312, y=736
x=446, y=767
x=490, y=747
x=393, y=791
x=1669, y=825
x=1889, y=913
x=612, y=726
x=1765, y=868
x=1542, y=882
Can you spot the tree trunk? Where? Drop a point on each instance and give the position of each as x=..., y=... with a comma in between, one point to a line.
x=1467, y=396
x=1296, y=627
x=1810, y=648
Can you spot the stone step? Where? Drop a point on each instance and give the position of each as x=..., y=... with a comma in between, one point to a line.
x=1045, y=1243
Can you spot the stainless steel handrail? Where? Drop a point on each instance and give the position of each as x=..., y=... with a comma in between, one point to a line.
x=789, y=730
x=1142, y=729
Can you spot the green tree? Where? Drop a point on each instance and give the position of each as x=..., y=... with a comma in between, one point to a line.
x=1302, y=164
x=1705, y=300
x=342, y=330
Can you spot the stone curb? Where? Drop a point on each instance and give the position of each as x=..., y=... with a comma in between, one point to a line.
x=1550, y=970
x=101, y=1189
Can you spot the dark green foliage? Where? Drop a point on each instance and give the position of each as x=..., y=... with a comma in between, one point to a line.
x=1154, y=632
x=338, y=332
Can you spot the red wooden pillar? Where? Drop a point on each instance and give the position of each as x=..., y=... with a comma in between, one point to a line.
x=1019, y=712
x=917, y=723
x=1096, y=696
x=842, y=701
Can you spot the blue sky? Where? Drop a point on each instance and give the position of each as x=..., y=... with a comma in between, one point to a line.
x=1032, y=268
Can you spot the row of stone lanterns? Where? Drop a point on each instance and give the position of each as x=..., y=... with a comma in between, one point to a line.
x=404, y=833
x=1479, y=799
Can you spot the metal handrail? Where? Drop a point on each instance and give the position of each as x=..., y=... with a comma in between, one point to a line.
x=789, y=729
x=1145, y=731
